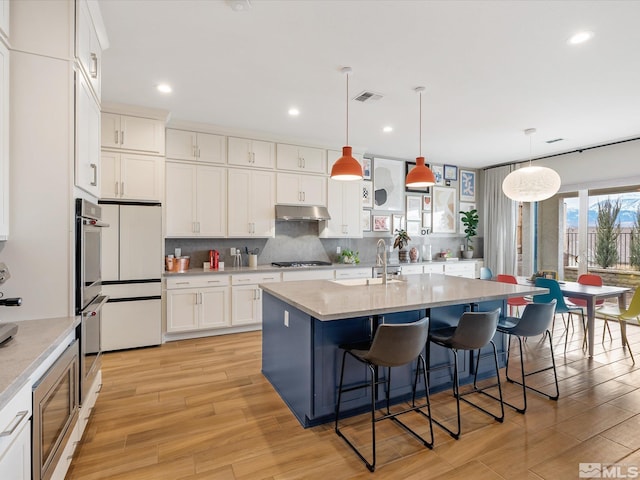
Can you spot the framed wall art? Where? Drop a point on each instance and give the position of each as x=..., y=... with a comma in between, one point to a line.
x=413, y=229
x=414, y=205
x=388, y=184
x=366, y=221
x=467, y=186
x=367, y=194
x=426, y=220
x=397, y=223
x=464, y=207
x=382, y=223
x=366, y=168
x=445, y=215
x=408, y=166
x=450, y=172
x=426, y=202
x=438, y=172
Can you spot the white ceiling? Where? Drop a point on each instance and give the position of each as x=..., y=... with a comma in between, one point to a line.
x=491, y=69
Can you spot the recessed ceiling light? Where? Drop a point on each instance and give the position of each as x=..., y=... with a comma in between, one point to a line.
x=580, y=37
x=294, y=112
x=387, y=129
x=164, y=88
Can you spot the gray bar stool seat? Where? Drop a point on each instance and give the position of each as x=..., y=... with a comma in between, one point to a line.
x=474, y=331
x=393, y=345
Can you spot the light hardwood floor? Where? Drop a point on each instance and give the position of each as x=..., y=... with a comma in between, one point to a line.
x=201, y=409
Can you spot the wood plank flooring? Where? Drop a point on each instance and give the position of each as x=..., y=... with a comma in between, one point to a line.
x=201, y=409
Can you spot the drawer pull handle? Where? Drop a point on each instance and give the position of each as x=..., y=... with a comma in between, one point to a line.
x=243, y=279
x=14, y=424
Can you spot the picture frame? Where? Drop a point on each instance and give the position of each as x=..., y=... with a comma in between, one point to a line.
x=408, y=166
x=414, y=206
x=426, y=220
x=366, y=221
x=464, y=207
x=445, y=214
x=381, y=223
x=366, y=168
x=426, y=202
x=438, y=172
x=413, y=229
x=397, y=223
x=450, y=172
x=388, y=185
x=467, y=186
x=367, y=194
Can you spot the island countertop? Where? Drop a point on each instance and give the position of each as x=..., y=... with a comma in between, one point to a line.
x=332, y=300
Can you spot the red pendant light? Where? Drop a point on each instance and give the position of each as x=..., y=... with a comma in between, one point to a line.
x=420, y=175
x=347, y=167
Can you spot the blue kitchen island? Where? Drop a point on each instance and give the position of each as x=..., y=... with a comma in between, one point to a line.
x=304, y=323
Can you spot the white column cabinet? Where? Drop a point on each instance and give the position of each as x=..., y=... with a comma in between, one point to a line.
x=132, y=133
x=87, y=155
x=88, y=48
x=196, y=146
x=196, y=200
x=128, y=176
x=251, y=153
x=4, y=135
x=301, y=189
x=251, y=200
x=300, y=159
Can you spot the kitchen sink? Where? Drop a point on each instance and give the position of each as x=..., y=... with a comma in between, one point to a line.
x=364, y=281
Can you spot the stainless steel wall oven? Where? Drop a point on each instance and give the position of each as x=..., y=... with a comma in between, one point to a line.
x=89, y=300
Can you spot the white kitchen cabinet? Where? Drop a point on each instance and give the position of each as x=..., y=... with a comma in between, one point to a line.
x=88, y=48
x=353, y=272
x=460, y=269
x=433, y=268
x=246, y=297
x=126, y=132
x=196, y=200
x=196, y=146
x=4, y=18
x=15, y=438
x=129, y=176
x=324, y=274
x=411, y=269
x=87, y=154
x=251, y=200
x=193, y=305
x=300, y=159
x=4, y=139
x=301, y=189
x=344, y=202
x=251, y=153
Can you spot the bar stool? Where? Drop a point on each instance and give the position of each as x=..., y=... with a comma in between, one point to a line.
x=393, y=345
x=536, y=320
x=474, y=331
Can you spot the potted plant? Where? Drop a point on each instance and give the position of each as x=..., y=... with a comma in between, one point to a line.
x=349, y=256
x=470, y=220
x=402, y=239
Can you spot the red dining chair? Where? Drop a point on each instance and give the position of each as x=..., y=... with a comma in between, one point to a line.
x=595, y=280
x=516, y=302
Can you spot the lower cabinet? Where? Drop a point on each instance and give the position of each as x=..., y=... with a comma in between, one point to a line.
x=198, y=303
x=15, y=436
x=353, y=272
x=246, y=297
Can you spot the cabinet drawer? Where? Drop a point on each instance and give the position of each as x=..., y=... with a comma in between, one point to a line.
x=432, y=268
x=411, y=269
x=362, y=272
x=255, y=278
x=327, y=274
x=199, y=281
x=14, y=415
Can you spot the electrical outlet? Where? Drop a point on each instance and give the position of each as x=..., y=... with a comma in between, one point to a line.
x=233, y=251
x=338, y=250
x=286, y=318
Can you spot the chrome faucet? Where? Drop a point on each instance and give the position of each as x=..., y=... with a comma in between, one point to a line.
x=382, y=261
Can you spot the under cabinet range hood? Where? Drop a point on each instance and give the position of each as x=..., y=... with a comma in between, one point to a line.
x=303, y=213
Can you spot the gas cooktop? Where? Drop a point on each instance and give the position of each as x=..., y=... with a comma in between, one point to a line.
x=301, y=263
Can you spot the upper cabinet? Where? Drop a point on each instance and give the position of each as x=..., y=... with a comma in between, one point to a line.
x=87, y=153
x=88, y=48
x=196, y=146
x=4, y=141
x=132, y=133
x=251, y=153
x=301, y=189
x=301, y=159
x=251, y=195
x=4, y=18
x=127, y=176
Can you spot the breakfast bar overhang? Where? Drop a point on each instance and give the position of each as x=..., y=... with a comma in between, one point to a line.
x=304, y=323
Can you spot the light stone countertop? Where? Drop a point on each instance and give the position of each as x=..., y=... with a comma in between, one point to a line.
x=23, y=354
x=329, y=300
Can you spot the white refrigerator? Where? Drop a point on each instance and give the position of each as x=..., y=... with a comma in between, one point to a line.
x=131, y=275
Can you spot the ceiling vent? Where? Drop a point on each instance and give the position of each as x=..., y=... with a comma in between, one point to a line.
x=555, y=140
x=367, y=96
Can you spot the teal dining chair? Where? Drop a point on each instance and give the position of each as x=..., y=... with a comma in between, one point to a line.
x=555, y=293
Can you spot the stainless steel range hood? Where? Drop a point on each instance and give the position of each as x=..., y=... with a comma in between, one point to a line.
x=303, y=213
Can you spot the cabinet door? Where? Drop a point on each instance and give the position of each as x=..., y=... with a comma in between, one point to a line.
x=110, y=246
x=4, y=18
x=351, y=208
x=263, y=212
x=140, y=242
x=131, y=324
x=264, y=154
x=180, y=205
x=211, y=201
x=314, y=190
x=180, y=144
x=15, y=463
x=212, y=148
x=87, y=154
x=88, y=49
x=243, y=304
x=432, y=268
x=110, y=130
x=288, y=188
x=239, y=151
x=215, y=307
x=313, y=159
x=143, y=134
x=335, y=227
x=140, y=177
x=110, y=175
x=287, y=157
x=4, y=135
x=182, y=309
x=239, y=198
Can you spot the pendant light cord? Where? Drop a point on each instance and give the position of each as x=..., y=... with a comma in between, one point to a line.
x=420, y=132
x=347, y=109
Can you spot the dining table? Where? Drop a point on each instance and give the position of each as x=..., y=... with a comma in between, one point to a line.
x=591, y=294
